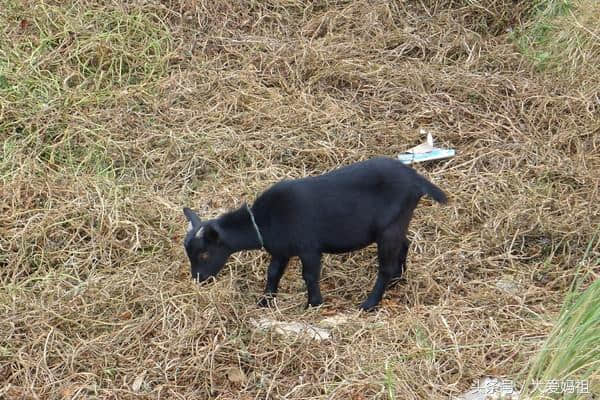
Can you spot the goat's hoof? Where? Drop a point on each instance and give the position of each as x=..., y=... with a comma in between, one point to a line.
x=314, y=303
x=368, y=306
x=266, y=301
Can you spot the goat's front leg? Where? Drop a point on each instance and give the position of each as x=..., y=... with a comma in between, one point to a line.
x=311, y=272
x=274, y=274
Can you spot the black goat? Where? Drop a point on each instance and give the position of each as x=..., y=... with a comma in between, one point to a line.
x=341, y=211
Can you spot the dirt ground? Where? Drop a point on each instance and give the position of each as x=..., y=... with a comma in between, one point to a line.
x=115, y=115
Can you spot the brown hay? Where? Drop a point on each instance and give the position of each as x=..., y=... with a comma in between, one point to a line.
x=114, y=116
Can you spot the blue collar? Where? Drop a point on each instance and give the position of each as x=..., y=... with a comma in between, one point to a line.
x=260, y=238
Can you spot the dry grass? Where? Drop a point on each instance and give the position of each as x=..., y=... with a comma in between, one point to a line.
x=114, y=115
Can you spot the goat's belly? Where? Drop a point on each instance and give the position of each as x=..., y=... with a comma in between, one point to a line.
x=338, y=248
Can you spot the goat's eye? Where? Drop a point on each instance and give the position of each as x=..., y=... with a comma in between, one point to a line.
x=203, y=256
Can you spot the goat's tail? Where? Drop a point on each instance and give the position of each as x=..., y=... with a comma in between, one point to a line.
x=433, y=191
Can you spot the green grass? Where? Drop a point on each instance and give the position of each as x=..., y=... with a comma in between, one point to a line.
x=390, y=382
x=562, y=36
x=572, y=351
x=64, y=66
x=534, y=41
x=101, y=46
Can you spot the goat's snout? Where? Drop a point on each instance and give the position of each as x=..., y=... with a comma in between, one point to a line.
x=201, y=278
x=198, y=277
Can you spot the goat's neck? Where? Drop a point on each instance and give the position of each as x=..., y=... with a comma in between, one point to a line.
x=241, y=234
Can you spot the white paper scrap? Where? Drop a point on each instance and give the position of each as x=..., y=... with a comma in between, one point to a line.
x=425, y=152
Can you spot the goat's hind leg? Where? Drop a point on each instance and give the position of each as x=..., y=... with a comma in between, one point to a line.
x=401, y=269
x=389, y=254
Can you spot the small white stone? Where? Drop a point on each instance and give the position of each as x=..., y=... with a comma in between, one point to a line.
x=292, y=328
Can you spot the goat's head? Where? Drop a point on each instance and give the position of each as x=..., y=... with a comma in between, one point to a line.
x=204, y=246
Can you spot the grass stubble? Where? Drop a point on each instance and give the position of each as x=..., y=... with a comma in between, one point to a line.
x=113, y=115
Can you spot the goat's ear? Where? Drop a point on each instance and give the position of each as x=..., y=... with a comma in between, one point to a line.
x=191, y=217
